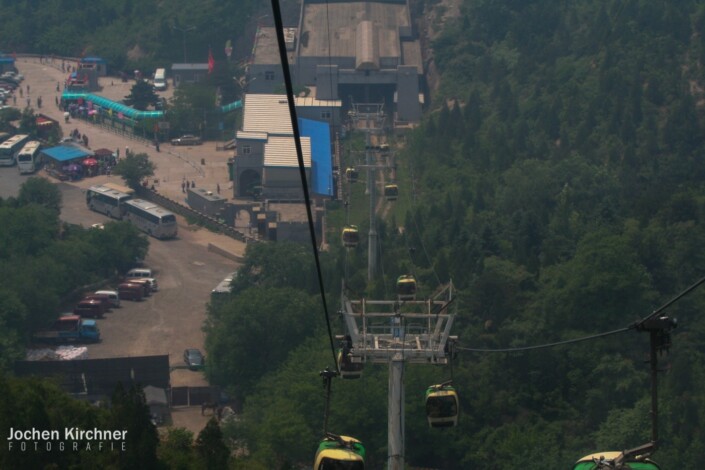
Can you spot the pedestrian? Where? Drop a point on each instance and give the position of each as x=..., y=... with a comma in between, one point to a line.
x=183, y=186
x=85, y=140
x=57, y=86
x=193, y=184
x=39, y=102
x=217, y=187
x=156, y=144
x=56, y=100
x=28, y=88
x=21, y=95
x=127, y=151
x=117, y=153
x=28, y=101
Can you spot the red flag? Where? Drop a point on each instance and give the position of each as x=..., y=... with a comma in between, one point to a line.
x=211, y=61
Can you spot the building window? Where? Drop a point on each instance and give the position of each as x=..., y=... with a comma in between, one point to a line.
x=246, y=149
x=325, y=115
x=269, y=75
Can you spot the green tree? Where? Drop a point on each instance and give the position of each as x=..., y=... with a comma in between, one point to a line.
x=40, y=191
x=242, y=339
x=129, y=412
x=134, y=168
x=213, y=453
x=190, y=107
x=176, y=450
x=141, y=95
x=28, y=122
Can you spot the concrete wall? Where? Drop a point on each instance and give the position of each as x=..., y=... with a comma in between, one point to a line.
x=408, y=106
x=327, y=82
x=264, y=78
x=315, y=113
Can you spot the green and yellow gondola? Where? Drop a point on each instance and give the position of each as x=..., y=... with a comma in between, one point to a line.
x=391, y=192
x=406, y=287
x=442, y=406
x=606, y=460
x=351, y=236
x=351, y=175
x=340, y=453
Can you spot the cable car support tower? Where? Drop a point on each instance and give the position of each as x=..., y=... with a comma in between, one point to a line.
x=398, y=332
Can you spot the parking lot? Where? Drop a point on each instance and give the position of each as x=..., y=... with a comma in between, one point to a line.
x=171, y=319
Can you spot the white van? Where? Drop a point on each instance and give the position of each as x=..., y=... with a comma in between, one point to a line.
x=113, y=296
x=139, y=272
x=160, y=80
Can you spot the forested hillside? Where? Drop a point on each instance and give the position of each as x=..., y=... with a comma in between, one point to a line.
x=127, y=33
x=558, y=181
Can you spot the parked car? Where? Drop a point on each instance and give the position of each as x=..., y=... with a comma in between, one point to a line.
x=90, y=308
x=129, y=291
x=194, y=359
x=144, y=283
x=112, y=295
x=139, y=272
x=186, y=140
x=107, y=304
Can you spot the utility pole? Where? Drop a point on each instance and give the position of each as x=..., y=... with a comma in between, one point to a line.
x=396, y=333
x=184, y=31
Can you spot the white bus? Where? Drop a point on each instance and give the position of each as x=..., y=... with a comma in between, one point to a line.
x=10, y=148
x=28, y=159
x=151, y=218
x=107, y=201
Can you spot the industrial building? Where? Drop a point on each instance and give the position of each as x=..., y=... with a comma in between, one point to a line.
x=354, y=51
x=266, y=165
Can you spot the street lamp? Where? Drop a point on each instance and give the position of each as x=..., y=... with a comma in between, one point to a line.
x=184, y=31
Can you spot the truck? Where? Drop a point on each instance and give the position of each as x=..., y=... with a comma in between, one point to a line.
x=160, y=80
x=68, y=329
x=90, y=308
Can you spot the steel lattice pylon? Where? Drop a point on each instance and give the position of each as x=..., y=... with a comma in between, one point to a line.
x=397, y=332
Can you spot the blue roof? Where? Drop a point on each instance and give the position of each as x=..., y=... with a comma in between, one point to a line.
x=7, y=60
x=321, y=164
x=93, y=59
x=65, y=153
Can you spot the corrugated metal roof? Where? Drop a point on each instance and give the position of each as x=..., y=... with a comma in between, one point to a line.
x=251, y=135
x=267, y=113
x=301, y=101
x=189, y=67
x=281, y=151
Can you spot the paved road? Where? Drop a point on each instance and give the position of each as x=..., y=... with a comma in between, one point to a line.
x=171, y=320
x=202, y=164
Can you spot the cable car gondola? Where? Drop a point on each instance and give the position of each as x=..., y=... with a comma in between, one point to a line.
x=340, y=453
x=351, y=236
x=351, y=175
x=348, y=368
x=406, y=287
x=391, y=192
x=442, y=405
x=614, y=460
